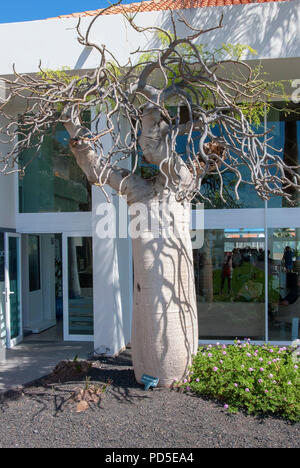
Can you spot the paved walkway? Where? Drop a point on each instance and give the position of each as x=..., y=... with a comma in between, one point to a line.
x=33, y=359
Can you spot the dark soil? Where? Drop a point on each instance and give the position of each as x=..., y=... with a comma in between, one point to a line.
x=43, y=414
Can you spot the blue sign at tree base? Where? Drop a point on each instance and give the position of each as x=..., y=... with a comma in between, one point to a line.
x=149, y=381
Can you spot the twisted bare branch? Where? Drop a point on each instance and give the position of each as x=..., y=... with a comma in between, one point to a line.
x=149, y=95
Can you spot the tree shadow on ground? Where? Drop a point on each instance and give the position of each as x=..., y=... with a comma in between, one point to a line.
x=54, y=393
x=123, y=359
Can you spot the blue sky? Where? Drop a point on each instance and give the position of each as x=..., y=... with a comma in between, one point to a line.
x=29, y=10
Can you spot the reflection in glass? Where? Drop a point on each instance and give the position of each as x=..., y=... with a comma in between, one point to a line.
x=14, y=297
x=230, y=278
x=211, y=185
x=80, y=285
x=283, y=125
x=2, y=290
x=53, y=181
x=1, y=257
x=284, y=128
x=284, y=275
x=34, y=263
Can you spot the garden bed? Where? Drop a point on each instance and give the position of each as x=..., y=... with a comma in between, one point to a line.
x=128, y=416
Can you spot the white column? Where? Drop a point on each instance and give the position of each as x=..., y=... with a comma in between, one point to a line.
x=112, y=273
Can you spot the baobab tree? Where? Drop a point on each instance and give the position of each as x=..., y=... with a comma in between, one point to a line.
x=176, y=88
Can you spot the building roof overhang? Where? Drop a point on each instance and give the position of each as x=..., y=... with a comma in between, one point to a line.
x=161, y=5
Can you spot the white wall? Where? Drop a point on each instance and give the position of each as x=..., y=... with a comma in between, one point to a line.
x=272, y=28
x=251, y=218
x=53, y=222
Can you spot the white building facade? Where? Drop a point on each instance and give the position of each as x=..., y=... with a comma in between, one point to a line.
x=55, y=270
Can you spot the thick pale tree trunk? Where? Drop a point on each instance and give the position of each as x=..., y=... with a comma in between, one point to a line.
x=164, y=325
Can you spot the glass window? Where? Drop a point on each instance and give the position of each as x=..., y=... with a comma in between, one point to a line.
x=34, y=263
x=53, y=181
x=283, y=122
x=80, y=285
x=285, y=130
x=230, y=284
x=2, y=290
x=58, y=276
x=211, y=184
x=210, y=189
x=1, y=257
x=284, y=283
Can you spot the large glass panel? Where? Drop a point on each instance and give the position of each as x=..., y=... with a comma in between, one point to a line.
x=2, y=291
x=80, y=284
x=211, y=185
x=284, y=126
x=230, y=284
x=14, y=283
x=53, y=181
x=34, y=263
x=284, y=277
x=58, y=276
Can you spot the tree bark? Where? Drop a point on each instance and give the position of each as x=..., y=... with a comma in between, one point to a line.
x=164, y=324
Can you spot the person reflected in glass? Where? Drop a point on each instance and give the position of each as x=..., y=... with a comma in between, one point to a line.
x=253, y=257
x=293, y=295
x=246, y=255
x=236, y=258
x=226, y=272
x=288, y=258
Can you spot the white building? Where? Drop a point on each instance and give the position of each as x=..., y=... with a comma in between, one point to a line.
x=48, y=219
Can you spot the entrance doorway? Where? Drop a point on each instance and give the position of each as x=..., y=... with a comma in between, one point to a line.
x=11, y=330
x=54, y=300
x=58, y=287
x=78, y=287
x=42, y=287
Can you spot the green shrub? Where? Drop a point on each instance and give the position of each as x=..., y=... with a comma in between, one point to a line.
x=260, y=378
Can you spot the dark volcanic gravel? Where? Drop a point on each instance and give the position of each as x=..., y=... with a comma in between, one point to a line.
x=130, y=417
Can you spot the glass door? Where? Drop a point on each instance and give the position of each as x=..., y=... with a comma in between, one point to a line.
x=78, y=288
x=12, y=290
x=2, y=299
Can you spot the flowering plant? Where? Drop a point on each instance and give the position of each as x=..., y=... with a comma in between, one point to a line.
x=260, y=378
